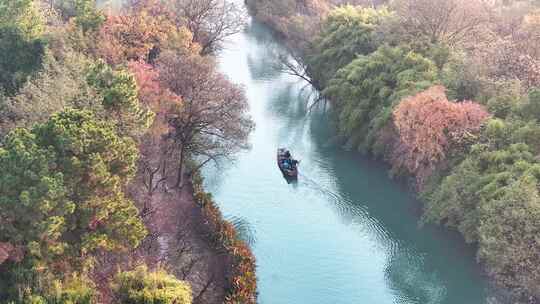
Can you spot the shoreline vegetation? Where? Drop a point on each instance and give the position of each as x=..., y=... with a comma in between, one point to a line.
x=105, y=121
x=447, y=93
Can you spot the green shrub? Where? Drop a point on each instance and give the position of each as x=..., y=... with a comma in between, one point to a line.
x=347, y=32
x=365, y=92
x=141, y=286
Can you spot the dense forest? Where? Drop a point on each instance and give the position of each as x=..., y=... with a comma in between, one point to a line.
x=105, y=119
x=448, y=93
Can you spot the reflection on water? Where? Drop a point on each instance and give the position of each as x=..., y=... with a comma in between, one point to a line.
x=344, y=233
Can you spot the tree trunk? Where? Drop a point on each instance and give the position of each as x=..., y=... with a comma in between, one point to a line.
x=180, y=177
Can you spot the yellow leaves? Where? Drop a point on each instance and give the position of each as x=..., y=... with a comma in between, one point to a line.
x=140, y=286
x=180, y=40
x=23, y=14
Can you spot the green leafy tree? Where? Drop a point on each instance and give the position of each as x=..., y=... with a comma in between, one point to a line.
x=87, y=16
x=508, y=234
x=60, y=83
x=22, y=14
x=21, y=45
x=120, y=92
x=141, y=286
x=347, y=32
x=366, y=91
x=62, y=199
x=478, y=179
x=531, y=108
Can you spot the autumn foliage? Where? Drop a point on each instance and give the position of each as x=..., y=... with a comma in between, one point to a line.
x=152, y=93
x=131, y=37
x=428, y=126
x=241, y=274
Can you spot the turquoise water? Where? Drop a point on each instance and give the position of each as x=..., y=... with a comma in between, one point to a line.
x=345, y=233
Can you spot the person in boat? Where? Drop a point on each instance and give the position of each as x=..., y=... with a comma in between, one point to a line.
x=286, y=163
x=290, y=163
x=287, y=154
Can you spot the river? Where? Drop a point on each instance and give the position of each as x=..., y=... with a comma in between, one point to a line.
x=345, y=233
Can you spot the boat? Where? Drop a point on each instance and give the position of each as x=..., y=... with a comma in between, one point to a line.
x=290, y=171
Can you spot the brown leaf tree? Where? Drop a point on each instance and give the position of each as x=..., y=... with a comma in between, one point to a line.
x=212, y=121
x=428, y=125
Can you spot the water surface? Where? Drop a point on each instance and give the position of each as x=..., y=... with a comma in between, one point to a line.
x=345, y=233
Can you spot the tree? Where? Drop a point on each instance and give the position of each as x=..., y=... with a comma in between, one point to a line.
x=87, y=17
x=489, y=165
x=20, y=59
x=210, y=21
x=133, y=36
x=347, y=32
x=507, y=61
x=141, y=286
x=508, y=235
x=451, y=22
x=212, y=121
x=119, y=93
x=429, y=127
x=59, y=84
x=151, y=91
x=21, y=45
x=531, y=108
x=23, y=15
x=62, y=199
x=365, y=92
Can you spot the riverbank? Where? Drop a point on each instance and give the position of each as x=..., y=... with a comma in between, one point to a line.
x=188, y=236
x=185, y=237
x=373, y=114
x=344, y=232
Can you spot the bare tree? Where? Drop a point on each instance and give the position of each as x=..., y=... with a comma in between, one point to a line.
x=212, y=121
x=210, y=21
x=443, y=21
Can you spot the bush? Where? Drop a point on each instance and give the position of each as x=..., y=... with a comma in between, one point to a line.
x=365, y=92
x=143, y=287
x=508, y=234
x=347, y=32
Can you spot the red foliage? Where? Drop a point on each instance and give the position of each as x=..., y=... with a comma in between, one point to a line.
x=428, y=126
x=151, y=92
x=8, y=252
x=5, y=249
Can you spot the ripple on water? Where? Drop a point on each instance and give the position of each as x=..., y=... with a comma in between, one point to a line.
x=343, y=233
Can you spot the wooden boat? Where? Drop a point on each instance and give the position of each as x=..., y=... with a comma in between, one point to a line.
x=288, y=171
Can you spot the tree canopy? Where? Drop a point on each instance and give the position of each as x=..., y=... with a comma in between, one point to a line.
x=21, y=44
x=429, y=127
x=61, y=188
x=366, y=91
x=211, y=123
x=347, y=32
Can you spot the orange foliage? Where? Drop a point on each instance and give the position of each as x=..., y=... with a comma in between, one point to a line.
x=428, y=125
x=132, y=37
x=242, y=278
